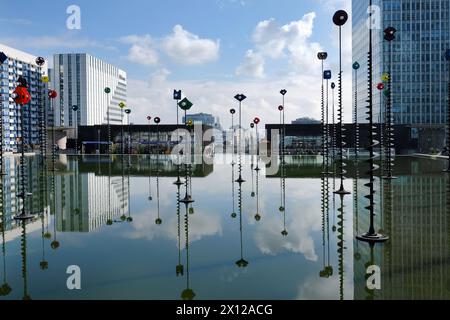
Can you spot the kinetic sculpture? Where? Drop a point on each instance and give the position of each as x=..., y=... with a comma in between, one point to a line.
x=371, y=236
x=389, y=36
x=339, y=19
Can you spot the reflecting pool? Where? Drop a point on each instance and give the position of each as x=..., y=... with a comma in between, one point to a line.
x=282, y=236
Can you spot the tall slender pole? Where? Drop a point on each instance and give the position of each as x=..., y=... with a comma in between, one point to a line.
x=52, y=107
x=339, y=19
x=447, y=56
x=371, y=236
x=121, y=133
x=240, y=98
x=389, y=36
x=356, y=66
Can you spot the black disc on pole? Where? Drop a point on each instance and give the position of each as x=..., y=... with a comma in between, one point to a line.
x=340, y=18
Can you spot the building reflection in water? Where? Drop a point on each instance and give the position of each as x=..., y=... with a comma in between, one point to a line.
x=415, y=262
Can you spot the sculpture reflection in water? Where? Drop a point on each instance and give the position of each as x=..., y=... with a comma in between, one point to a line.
x=5, y=288
x=188, y=293
x=282, y=207
x=23, y=251
x=158, y=220
x=241, y=263
x=341, y=245
x=325, y=208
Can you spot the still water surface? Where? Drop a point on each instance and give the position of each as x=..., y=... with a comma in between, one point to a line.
x=120, y=222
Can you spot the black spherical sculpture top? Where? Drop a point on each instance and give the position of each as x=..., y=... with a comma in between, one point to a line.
x=322, y=55
x=340, y=18
x=40, y=61
x=389, y=33
x=157, y=120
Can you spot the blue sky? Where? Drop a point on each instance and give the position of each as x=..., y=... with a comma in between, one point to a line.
x=208, y=48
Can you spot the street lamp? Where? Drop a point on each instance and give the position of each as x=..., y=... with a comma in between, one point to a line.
x=447, y=57
x=371, y=236
x=75, y=109
x=389, y=36
x=21, y=97
x=240, y=98
x=108, y=91
x=339, y=19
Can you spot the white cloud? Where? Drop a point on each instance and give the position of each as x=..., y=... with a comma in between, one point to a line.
x=142, y=50
x=252, y=66
x=289, y=41
x=180, y=46
x=186, y=48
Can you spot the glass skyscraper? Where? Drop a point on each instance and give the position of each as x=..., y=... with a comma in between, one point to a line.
x=419, y=69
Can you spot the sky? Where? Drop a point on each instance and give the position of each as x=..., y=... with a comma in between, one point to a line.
x=210, y=49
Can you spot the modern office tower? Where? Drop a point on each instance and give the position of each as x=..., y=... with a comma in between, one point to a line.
x=20, y=64
x=419, y=70
x=80, y=79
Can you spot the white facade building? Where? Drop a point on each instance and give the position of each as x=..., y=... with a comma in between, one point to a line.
x=80, y=79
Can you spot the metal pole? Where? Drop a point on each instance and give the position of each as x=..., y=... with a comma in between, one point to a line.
x=371, y=236
x=121, y=138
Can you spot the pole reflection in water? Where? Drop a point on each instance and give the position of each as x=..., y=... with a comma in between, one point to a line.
x=282, y=208
x=180, y=268
x=241, y=263
x=150, y=198
x=54, y=244
x=233, y=182
x=158, y=220
x=341, y=246
x=188, y=293
x=23, y=251
x=325, y=208
x=258, y=214
x=5, y=289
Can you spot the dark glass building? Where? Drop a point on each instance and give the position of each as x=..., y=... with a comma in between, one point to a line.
x=419, y=69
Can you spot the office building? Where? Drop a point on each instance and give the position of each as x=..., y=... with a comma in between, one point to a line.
x=419, y=70
x=22, y=64
x=80, y=79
